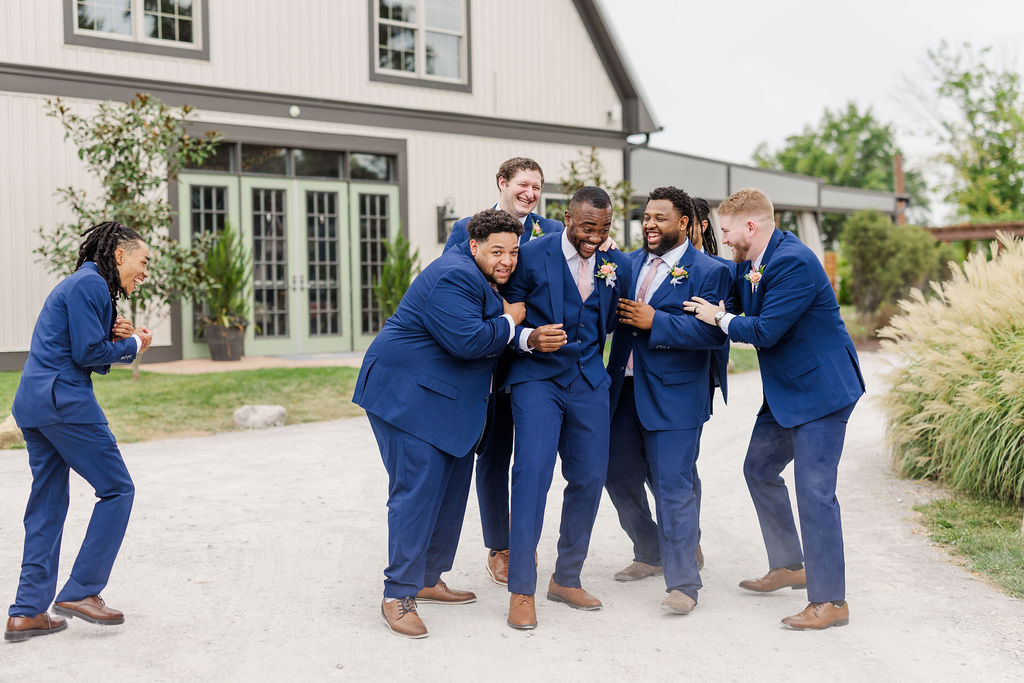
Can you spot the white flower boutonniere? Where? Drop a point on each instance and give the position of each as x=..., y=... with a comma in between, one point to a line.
x=536, y=231
x=677, y=273
x=607, y=272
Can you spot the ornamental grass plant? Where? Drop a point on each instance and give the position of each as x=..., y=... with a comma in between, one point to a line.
x=956, y=403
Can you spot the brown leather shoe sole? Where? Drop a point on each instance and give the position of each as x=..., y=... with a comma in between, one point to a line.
x=495, y=579
x=795, y=586
x=522, y=627
x=18, y=636
x=837, y=622
x=434, y=601
x=75, y=614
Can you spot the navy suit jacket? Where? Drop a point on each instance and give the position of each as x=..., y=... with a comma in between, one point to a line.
x=720, y=357
x=809, y=366
x=428, y=371
x=547, y=226
x=71, y=340
x=672, y=360
x=539, y=281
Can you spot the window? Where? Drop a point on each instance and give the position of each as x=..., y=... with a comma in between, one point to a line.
x=166, y=27
x=423, y=42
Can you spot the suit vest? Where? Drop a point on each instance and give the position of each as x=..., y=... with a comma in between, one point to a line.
x=581, y=324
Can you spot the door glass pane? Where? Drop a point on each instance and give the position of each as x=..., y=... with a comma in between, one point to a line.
x=264, y=159
x=269, y=264
x=374, y=232
x=209, y=214
x=323, y=265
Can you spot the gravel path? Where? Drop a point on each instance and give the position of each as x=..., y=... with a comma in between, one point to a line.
x=257, y=557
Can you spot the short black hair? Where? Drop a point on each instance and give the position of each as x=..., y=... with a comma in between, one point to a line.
x=489, y=221
x=99, y=244
x=591, y=195
x=678, y=197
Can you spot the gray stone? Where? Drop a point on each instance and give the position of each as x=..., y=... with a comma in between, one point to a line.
x=260, y=416
x=9, y=433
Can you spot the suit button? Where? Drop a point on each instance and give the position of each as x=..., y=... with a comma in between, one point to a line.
x=581, y=324
x=634, y=334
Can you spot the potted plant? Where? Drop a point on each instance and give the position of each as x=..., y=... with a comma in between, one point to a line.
x=228, y=272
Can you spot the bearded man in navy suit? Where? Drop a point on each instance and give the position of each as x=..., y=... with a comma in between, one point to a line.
x=811, y=380
x=660, y=366
x=425, y=383
x=560, y=390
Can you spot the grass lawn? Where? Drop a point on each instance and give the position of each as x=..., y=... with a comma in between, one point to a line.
x=985, y=532
x=158, y=406
x=743, y=360
x=859, y=331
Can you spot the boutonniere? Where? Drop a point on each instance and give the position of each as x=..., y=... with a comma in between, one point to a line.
x=753, y=277
x=677, y=273
x=536, y=231
x=607, y=272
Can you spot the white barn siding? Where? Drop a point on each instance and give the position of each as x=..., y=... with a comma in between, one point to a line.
x=531, y=60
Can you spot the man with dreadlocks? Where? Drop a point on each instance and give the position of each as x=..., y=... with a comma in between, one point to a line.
x=77, y=333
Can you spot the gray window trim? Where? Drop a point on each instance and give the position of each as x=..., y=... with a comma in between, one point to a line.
x=202, y=52
x=416, y=81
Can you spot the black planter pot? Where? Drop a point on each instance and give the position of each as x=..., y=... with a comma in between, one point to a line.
x=226, y=343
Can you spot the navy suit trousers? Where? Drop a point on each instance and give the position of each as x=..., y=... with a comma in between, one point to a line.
x=571, y=422
x=492, y=466
x=666, y=460
x=814, y=448
x=427, y=493
x=91, y=451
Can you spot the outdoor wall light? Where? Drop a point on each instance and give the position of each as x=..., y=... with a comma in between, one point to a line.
x=446, y=218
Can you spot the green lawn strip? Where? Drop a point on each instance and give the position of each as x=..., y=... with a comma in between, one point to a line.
x=986, y=532
x=158, y=406
x=860, y=331
x=743, y=359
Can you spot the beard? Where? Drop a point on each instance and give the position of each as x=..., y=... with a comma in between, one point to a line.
x=665, y=244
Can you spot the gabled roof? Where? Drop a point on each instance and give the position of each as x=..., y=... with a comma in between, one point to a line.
x=637, y=116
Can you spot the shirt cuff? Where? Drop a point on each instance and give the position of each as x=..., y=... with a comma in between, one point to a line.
x=138, y=343
x=725, y=322
x=512, y=327
x=524, y=336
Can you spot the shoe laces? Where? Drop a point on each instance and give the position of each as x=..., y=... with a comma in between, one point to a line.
x=521, y=598
x=406, y=606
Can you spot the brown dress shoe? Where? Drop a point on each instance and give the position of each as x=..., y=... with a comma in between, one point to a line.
x=636, y=571
x=497, y=566
x=91, y=609
x=819, y=615
x=522, y=613
x=700, y=559
x=577, y=598
x=42, y=624
x=678, y=602
x=776, y=579
x=441, y=594
x=401, y=618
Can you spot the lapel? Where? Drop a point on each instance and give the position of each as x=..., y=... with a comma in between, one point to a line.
x=637, y=259
x=683, y=288
x=554, y=265
x=757, y=297
x=744, y=287
x=604, y=292
x=528, y=228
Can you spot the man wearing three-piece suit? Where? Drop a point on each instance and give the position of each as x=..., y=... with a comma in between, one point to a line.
x=519, y=181
x=560, y=389
x=811, y=380
x=660, y=367
x=425, y=384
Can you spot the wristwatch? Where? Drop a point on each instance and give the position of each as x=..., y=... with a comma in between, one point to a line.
x=718, y=318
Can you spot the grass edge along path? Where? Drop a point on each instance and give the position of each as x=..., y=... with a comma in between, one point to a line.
x=985, y=532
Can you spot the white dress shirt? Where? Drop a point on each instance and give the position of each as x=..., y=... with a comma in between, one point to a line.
x=572, y=259
x=668, y=259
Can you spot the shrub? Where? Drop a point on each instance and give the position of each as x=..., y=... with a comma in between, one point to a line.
x=956, y=406
x=886, y=261
x=400, y=266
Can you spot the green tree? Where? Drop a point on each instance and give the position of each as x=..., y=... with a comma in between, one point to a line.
x=979, y=125
x=133, y=148
x=587, y=169
x=396, y=274
x=847, y=147
x=886, y=261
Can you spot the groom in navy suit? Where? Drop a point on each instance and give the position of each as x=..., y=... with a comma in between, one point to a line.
x=425, y=383
x=519, y=181
x=660, y=366
x=811, y=380
x=560, y=389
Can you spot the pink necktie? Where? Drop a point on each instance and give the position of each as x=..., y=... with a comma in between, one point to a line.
x=584, y=279
x=641, y=294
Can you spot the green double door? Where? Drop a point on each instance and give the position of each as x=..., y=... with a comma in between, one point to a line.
x=316, y=246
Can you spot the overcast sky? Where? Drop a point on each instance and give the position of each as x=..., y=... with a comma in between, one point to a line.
x=722, y=76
